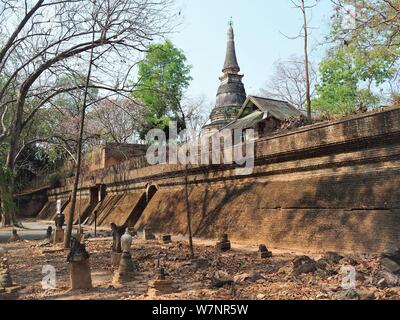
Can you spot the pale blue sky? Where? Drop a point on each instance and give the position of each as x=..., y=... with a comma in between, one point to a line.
x=258, y=25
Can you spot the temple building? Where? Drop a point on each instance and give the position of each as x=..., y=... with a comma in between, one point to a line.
x=233, y=110
x=264, y=115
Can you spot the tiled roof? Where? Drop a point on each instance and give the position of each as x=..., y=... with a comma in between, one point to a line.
x=279, y=109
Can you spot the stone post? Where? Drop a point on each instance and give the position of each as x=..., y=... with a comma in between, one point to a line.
x=161, y=285
x=59, y=232
x=224, y=244
x=79, y=266
x=8, y=289
x=148, y=233
x=166, y=238
x=116, y=251
x=127, y=269
x=263, y=252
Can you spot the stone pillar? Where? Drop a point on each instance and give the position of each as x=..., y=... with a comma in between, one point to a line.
x=8, y=290
x=148, y=233
x=80, y=276
x=59, y=222
x=224, y=244
x=161, y=285
x=59, y=235
x=49, y=233
x=78, y=259
x=263, y=252
x=166, y=238
x=5, y=277
x=115, y=259
x=126, y=271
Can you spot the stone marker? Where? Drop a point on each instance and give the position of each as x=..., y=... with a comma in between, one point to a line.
x=59, y=232
x=59, y=236
x=263, y=252
x=78, y=259
x=224, y=244
x=166, y=238
x=49, y=233
x=5, y=277
x=127, y=269
x=148, y=233
x=48, y=238
x=8, y=290
x=161, y=285
x=14, y=236
x=116, y=250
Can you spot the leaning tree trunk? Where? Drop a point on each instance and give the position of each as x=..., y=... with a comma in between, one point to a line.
x=74, y=191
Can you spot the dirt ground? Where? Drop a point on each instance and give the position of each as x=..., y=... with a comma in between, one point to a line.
x=253, y=277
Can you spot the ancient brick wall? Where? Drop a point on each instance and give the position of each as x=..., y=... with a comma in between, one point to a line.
x=331, y=186
x=28, y=205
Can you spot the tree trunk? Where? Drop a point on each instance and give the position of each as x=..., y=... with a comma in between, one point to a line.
x=9, y=217
x=188, y=216
x=187, y=204
x=5, y=217
x=68, y=233
x=306, y=61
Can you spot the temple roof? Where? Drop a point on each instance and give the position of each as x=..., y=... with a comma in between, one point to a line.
x=246, y=122
x=279, y=109
x=256, y=109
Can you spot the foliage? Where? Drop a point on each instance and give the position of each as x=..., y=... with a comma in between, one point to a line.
x=368, y=24
x=361, y=61
x=341, y=76
x=55, y=179
x=163, y=78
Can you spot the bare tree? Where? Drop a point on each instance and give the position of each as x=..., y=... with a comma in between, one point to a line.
x=43, y=40
x=304, y=6
x=68, y=232
x=119, y=120
x=196, y=111
x=288, y=81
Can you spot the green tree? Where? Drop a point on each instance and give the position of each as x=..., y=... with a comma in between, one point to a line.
x=361, y=61
x=163, y=77
x=337, y=90
x=345, y=82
